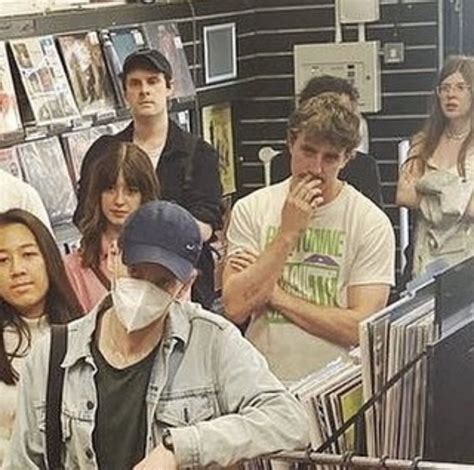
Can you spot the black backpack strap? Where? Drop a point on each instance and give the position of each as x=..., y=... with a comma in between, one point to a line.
x=54, y=396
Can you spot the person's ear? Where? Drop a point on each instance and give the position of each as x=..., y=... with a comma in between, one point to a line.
x=171, y=88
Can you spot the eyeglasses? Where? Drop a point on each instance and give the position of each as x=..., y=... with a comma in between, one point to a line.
x=446, y=88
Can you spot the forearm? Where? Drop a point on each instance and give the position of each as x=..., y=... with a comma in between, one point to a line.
x=276, y=423
x=247, y=291
x=334, y=324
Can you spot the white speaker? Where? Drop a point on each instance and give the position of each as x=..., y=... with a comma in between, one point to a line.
x=358, y=11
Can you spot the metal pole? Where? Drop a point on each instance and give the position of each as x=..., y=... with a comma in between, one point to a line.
x=353, y=461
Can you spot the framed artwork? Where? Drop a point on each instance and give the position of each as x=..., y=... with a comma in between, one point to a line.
x=217, y=130
x=220, y=52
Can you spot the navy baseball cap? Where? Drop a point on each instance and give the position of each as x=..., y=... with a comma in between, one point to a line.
x=163, y=233
x=149, y=59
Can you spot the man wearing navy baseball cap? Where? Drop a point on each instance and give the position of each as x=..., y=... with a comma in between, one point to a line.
x=186, y=166
x=154, y=382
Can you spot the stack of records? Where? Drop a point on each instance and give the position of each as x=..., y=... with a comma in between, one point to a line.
x=77, y=143
x=10, y=122
x=44, y=79
x=389, y=340
x=331, y=397
x=44, y=167
x=87, y=72
x=9, y=162
x=166, y=38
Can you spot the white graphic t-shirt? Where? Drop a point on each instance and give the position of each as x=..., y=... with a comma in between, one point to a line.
x=349, y=242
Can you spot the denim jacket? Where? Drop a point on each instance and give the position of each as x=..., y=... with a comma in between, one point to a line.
x=208, y=385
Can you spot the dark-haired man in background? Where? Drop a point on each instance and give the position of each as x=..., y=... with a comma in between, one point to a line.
x=186, y=166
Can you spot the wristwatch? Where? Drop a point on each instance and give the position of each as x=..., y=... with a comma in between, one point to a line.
x=167, y=440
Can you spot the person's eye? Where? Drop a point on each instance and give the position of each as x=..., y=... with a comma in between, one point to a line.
x=30, y=254
x=3, y=259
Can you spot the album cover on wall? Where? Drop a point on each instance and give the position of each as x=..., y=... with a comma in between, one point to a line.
x=217, y=130
x=44, y=167
x=10, y=121
x=127, y=40
x=87, y=72
x=9, y=162
x=77, y=143
x=44, y=79
x=166, y=38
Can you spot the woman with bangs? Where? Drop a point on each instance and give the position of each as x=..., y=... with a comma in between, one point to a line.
x=123, y=179
x=437, y=180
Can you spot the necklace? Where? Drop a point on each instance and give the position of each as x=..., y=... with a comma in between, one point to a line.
x=456, y=135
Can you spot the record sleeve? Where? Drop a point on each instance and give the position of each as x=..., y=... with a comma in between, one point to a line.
x=9, y=162
x=166, y=38
x=127, y=40
x=10, y=121
x=77, y=144
x=217, y=131
x=44, y=167
x=87, y=72
x=44, y=79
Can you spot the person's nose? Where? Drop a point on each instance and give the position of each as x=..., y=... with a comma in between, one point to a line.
x=18, y=266
x=119, y=199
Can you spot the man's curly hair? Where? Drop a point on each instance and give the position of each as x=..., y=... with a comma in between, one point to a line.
x=326, y=118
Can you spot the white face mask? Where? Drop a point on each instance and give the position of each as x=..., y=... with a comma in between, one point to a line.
x=139, y=303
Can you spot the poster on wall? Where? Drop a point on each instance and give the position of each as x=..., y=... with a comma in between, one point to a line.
x=10, y=121
x=77, y=144
x=217, y=130
x=87, y=72
x=166, y=38
x=44, y=79
x=44, y=167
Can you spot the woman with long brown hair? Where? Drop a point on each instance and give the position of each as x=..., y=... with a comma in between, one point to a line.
x=123, y=179
x=34, y=293
x=438, y=178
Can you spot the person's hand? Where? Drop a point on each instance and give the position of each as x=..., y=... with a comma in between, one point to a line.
x=158, y=459
x=241, y=260
x=114, y=261
x=301, y=203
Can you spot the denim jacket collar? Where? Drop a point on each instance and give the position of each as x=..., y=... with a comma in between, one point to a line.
x=81, y=332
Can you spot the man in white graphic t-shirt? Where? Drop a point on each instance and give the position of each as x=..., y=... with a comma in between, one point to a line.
x=310, y=257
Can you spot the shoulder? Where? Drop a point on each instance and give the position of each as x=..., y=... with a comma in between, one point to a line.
x=208, y=323
x=269, y=194
x=365, y=209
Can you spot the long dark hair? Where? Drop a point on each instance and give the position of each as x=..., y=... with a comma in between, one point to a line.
x=424, y=144
x=61, y=304
x=137, y=170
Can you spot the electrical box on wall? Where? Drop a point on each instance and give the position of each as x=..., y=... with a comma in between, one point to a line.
x=357, y=62
x=358, y=11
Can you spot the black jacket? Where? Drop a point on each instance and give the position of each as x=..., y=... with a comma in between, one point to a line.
x=188, y=173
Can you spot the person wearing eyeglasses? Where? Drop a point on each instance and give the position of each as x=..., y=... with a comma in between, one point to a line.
x=437, y=179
